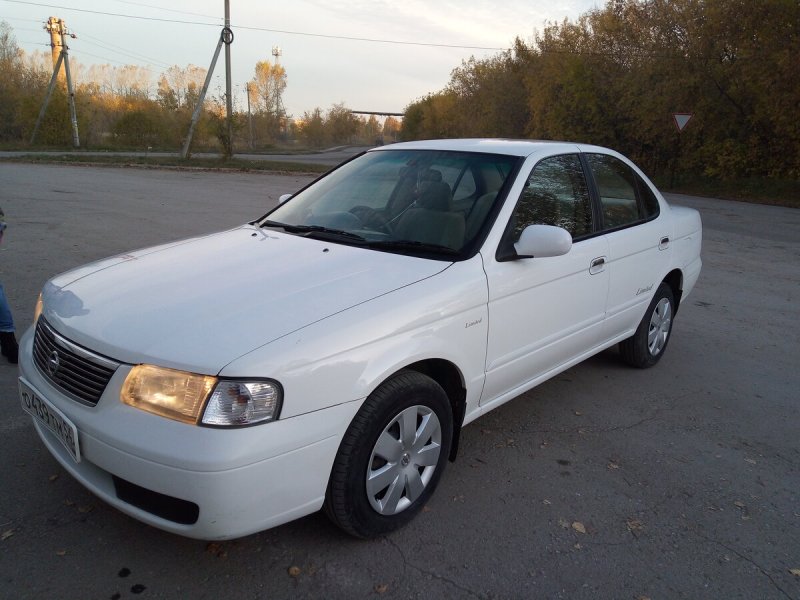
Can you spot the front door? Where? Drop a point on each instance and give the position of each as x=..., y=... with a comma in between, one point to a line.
x=545, y=312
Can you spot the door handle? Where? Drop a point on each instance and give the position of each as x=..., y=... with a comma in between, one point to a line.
x=597, y=265
x=664, y=243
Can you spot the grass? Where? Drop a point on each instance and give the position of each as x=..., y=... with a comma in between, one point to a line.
x=775, y=192
x=234, y=164
x=17, y=146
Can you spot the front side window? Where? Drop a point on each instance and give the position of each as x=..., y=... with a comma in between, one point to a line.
x=432, y=203
x=555, y=194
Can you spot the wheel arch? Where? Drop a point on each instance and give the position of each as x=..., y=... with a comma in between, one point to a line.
x=450, y=378
x=674, y=280
x=356, y=485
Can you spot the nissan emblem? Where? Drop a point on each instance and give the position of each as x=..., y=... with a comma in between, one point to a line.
x=53, y=363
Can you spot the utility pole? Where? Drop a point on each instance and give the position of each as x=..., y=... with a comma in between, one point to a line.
x=228, y=95
x=226, y=38
x=58, y=30
x=53, y=27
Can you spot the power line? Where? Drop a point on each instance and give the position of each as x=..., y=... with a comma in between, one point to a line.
x=109, y=14
x=28, y=30
x=120, y=49
x=79, y=52
x=19, y=19
x=109, y=47
x=172, y=10
x=360, y=39
x=266, y=29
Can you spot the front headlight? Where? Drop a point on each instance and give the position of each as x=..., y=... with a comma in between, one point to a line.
x=181, y=396
x=173, y=394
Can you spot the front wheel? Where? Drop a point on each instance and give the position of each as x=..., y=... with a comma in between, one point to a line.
x=646, y=347
x=391, y=456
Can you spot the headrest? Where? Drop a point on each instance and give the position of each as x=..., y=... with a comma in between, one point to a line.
x=435, y=195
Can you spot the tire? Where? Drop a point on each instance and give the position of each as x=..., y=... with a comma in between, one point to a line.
x=382, y=477
x=646, y=347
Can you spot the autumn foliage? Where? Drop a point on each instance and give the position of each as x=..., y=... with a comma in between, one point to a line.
x=132, y=107
x=617, y=75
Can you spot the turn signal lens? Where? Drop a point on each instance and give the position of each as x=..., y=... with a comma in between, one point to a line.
x=169, y=393
x=37, y=311
x=243, y=403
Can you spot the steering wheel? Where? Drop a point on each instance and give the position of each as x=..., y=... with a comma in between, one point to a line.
x=371, y=218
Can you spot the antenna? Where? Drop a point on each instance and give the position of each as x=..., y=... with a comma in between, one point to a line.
x=279, y=112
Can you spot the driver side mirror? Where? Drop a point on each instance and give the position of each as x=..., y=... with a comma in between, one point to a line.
x=283, y=198
x=541, y=241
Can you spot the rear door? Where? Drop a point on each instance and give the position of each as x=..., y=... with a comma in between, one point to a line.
x=638, y=240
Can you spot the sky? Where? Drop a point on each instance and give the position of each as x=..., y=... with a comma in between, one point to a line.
x=364, y=75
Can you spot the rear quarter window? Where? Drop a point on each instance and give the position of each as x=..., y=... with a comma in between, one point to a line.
x=650, y=205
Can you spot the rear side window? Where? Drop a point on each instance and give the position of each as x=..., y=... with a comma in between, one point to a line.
x=555, y=194
x=624, y=196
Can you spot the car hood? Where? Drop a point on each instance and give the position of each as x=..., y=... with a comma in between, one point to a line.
x=201, y=303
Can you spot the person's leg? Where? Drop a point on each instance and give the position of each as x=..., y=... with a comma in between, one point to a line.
x=8, y=341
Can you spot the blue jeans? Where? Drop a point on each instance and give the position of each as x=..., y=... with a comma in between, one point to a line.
x=6, y=321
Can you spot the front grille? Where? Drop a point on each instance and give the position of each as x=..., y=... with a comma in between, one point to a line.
x=81, y=374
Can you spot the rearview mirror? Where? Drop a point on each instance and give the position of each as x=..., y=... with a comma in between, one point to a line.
x=284, y=198
x=541, y=241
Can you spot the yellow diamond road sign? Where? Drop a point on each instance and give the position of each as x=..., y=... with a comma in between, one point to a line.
x=681, y=120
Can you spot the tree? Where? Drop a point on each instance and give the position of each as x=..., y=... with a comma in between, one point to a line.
x=166, y=95
x=136, y=128
x=10, y=65
x=616, y=75
x=311, y=128
x=132, y=81
x=180, y=86
x=372, y=130
x=341, y=124
x=266, y=90
x=391, y=129
x=9, y=51
x=267, y=87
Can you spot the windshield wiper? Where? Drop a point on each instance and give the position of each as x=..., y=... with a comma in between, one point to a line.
x=314, y=229
x=413, y=245
x=274, y=224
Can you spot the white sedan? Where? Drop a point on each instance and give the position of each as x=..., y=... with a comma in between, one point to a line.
x=328, y=354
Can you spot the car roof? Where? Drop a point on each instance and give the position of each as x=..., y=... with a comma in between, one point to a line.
x=493, y=146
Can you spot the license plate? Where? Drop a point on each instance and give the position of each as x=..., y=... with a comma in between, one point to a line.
x=50, y=417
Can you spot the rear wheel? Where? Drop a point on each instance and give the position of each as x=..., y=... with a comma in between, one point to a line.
x=391, y=456
x=646, y=347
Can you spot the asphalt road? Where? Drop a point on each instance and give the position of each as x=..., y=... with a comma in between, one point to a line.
x=681, y=481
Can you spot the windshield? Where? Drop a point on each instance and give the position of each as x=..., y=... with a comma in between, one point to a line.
x=410, y=201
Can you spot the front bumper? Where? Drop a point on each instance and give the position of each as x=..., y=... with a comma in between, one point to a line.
x=194, y=481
